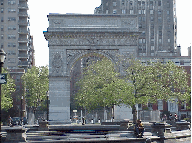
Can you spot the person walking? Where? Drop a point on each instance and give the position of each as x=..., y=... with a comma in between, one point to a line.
x=9, y=121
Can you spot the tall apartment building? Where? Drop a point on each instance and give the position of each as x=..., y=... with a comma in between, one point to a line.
x=156, y=20
x=16, y=41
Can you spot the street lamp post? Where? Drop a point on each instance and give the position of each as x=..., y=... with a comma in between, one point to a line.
x=2, y=60
x=47, y=105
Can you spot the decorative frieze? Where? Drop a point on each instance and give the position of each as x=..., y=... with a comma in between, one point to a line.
x=89, y=40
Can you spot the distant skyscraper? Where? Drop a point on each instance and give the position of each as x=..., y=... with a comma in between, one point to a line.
x=15, y=35
x=156, y=20
x=16, y=42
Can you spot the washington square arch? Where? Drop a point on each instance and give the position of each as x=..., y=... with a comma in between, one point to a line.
x=72, y=37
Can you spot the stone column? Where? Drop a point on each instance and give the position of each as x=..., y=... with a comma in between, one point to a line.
x=59, y=95
x=59, y=86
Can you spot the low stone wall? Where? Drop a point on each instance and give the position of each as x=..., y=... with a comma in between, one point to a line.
x=16, y=134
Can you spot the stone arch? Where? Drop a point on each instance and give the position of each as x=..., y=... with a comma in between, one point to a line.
x=77, y=54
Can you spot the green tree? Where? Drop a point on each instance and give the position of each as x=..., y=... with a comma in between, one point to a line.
x=6, y=92
x=139, y=83
x=100, y=86
x=36, y=83
x=153, y=81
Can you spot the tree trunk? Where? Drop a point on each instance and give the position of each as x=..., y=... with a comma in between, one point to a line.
x=134, y=112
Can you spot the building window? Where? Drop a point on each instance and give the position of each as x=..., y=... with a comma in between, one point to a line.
x=143, y=18
x=151, y=11
x=150, y=106
x=160, y=33
x=152, y=48
x=159, y=3
x=139, y=106
x=11, y=37
x=160, y=27
x=2, y=28
x=123, y=2
x=183, y=105
x=152, y=26
x=181, y=62
x=11, y=19
x=160, y=48
x=2, y=36
x=11, y=2
x=168, y=4
x=114, y=11
x=2, y=10
x=2, y=19
x=152, y=18
x=160, y=105
x=131, y=12
x=143, y=40
x=11, y=53
x=114, y=3
x=123, y=11
x=151, y=5
x=12, y=28
x=143, y=11
x=10, y=10
x=106, y=3
x=11, y=45
x=140, y=25
x=11, y=60
x=168, y=12
x=169, y=40
x=2, y=46
x=159, y=12
x=159, y=19
x=107, y=11
x=152, y=33
x=160, y=41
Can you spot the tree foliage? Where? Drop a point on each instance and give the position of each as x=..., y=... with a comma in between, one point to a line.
x=102, y=85
x=36, y=83
x=156, y=80
x=6, y=92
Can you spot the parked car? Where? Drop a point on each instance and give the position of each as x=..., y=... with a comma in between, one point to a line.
x=16, y=121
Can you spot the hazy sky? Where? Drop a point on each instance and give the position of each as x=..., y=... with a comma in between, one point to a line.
x=39, y=9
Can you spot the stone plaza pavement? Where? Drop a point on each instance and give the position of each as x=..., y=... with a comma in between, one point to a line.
x=35, y=136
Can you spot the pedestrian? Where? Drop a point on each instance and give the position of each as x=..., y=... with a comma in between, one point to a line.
x=176, y=118
x=139, y=128
x=9, y=121
x=164, y=117
x=170, y=117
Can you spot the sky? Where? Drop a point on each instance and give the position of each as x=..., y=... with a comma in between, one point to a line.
x=39, y=9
